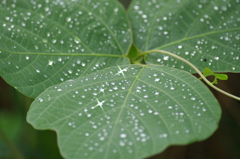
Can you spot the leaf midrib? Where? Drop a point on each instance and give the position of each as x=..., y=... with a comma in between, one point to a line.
x=196, y=36
x=63, y=54
x=104, y=23
x=121, y=110
x=72, y=34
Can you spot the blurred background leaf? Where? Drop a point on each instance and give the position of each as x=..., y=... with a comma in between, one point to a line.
x=29, y=142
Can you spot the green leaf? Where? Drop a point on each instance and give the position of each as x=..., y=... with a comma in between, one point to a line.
x=207, y=72
x=206, y=33
x=222, y=76
x=43, y=43
x=12, y=131
x=128, y=111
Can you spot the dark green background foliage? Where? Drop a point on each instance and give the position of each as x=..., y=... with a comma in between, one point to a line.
x=76, y=60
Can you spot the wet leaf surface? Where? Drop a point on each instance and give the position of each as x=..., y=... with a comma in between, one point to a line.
x=72, y=56
x=43, y=43
x=206, y=33
x=128, y=111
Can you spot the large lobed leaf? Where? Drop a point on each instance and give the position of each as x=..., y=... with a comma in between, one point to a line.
x=128, y=111
x=207, y=33
x=43, y=43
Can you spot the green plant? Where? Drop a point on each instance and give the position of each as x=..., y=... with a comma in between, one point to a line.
x=115, y=83
x=207, y=72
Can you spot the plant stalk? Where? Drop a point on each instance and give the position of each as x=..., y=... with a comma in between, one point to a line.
x=16, y=153
x=195, y=68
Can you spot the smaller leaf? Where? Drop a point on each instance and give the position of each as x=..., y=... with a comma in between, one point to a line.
x=222, y=76
x=208, y=72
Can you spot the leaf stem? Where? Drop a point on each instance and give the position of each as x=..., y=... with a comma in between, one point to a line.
x=17, y=154
x=195, y=68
